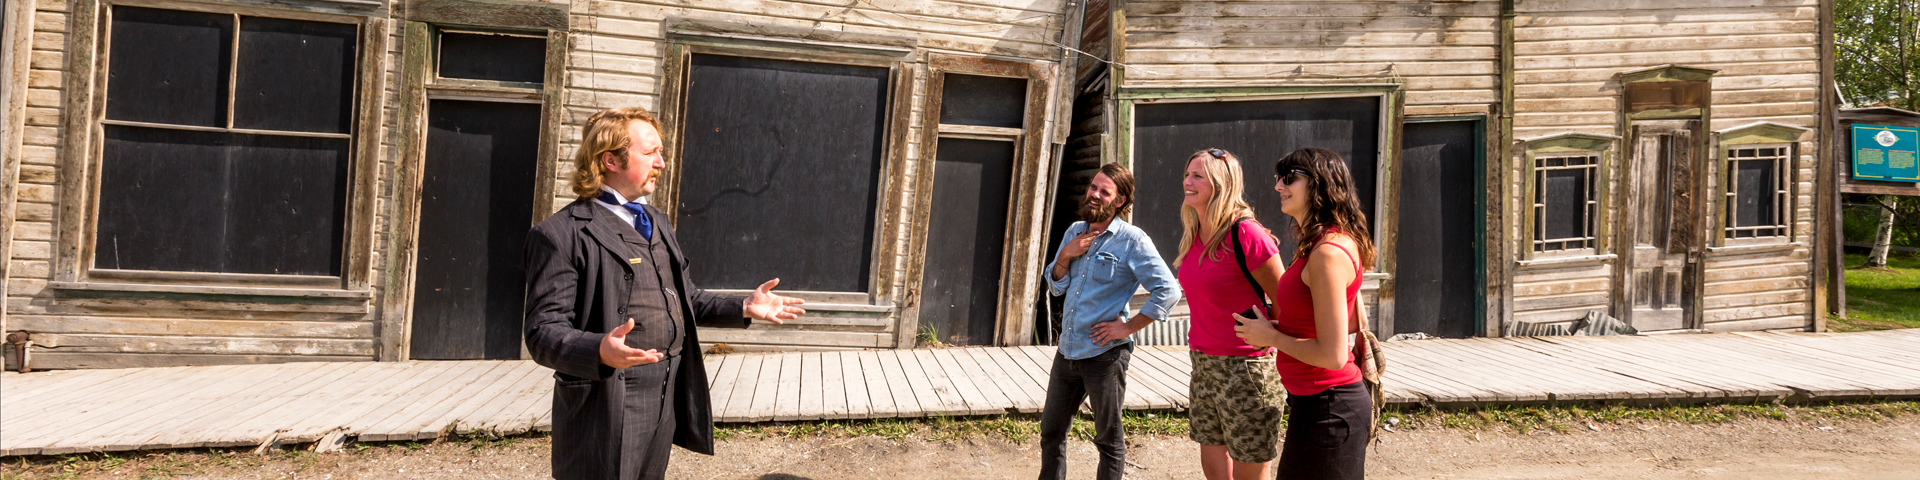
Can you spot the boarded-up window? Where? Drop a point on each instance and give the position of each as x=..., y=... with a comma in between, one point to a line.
x=217, y=161
x=1757, y=191
x=781, y=172
x=1564, y=206
x=1259, y=132
x=497, y=57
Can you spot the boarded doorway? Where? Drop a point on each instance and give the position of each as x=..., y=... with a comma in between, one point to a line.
x=1663, y=208
x=966, y=239
x=1259, y=132
x=1437, y=283
x=476, y=203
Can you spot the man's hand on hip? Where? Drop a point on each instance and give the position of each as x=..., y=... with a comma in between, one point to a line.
x=615, y=353
x=1118, y=328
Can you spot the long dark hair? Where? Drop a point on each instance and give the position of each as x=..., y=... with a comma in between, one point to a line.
x=1331, y=202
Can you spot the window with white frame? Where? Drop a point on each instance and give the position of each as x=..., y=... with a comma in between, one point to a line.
x=1565, y=203
x=1757, y=191
x=227, y=140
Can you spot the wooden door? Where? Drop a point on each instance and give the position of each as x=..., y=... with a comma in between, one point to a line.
x=1661, y=224
x=966, y=239
x=476, y=204
x=1437, y=285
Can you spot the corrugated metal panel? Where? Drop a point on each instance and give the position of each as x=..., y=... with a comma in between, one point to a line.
x=1170, y=332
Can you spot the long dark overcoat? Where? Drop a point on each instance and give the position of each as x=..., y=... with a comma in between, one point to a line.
x=578, y=281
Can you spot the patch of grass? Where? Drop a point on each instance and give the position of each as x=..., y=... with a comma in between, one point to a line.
x=929, y=337
x=1881, y=298
x=1563, y=419
x=1013, y=428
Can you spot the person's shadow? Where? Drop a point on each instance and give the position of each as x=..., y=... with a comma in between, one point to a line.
x=782, y=476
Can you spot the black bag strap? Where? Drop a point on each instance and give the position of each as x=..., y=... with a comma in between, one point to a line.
x=1240, y=259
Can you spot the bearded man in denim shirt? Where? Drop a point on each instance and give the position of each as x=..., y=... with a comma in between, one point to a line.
x=1098, y=268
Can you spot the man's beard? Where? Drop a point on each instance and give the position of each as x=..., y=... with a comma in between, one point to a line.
x=1097, y=213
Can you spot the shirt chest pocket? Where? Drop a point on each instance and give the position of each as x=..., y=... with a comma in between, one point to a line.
x=1106, y=268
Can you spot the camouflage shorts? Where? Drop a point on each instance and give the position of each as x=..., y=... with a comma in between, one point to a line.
x=1237, y=402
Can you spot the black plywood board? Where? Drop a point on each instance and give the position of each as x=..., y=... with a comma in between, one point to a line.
x=179, y=200
x=780, y=172
x=983, y=101
x=1259, y=133
x=476, y=204
x=1435, y=287
x=504, y=58
x=169, y=66
x=966, y=239
x=294, y=75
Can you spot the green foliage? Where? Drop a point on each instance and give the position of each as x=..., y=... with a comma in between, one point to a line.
x=1861, y=217
x=1881, y=298
x=1878, y=56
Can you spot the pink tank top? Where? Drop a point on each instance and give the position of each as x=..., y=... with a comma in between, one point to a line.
x=1293, y=303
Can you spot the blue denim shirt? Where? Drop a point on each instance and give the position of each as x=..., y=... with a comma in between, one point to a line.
x=1099, y=284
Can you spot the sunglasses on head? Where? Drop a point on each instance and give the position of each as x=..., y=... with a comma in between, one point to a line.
x=1291, y=176
x=1217, y=153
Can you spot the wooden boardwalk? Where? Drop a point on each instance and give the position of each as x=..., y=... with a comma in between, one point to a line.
x=248, y=405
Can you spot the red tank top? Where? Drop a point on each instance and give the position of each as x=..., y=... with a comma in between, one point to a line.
x=1294, y=305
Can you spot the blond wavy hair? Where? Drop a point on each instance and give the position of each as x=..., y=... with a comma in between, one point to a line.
x=1228, y=204
x=605, y=132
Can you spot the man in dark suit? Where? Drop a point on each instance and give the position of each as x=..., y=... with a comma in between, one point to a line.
x=611, y=308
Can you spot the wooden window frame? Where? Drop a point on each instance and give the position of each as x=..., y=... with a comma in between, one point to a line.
x=1562, y=146
x=677, y=57
x=420, y=83
x=1390, y=95
x=1021, y=262
x=1786, y=168
x=78, y=212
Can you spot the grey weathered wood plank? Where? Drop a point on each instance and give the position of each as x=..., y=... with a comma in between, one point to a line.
x=218, y=413
x=230, y=428
x=444, y=418
x=740, y=402
x=426, y=401
x=834, y=389
x=193, y=405
x=1147, y=372
x=510, y=404
x=858, y=401
x=978, y=398
x=811, y=403
x=766, y=389
x=899, y=399
x=103, y=406
x=58, y=407
x=786, y=406
x=1017, y=386
x=724, y=382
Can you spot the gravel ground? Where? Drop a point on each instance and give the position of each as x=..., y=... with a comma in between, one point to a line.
x=1738, y=449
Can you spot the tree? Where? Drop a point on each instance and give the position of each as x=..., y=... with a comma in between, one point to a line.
x=1878, y=57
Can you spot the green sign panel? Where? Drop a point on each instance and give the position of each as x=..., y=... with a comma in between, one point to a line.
x=1885, y=153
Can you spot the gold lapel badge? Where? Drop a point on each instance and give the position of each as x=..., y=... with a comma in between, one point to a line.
x=635, y=261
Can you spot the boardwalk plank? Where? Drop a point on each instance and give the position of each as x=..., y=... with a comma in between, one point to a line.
x=978, y=398
x=1013, y=382
x=786, y=405
x=536, y=385
x=859, y=400
x=425, y=402
x=766, y=389
x=199, y=404
x=745, y=383
x=930, y=385
x=455, y=413
x=724, y=383
x=811, y=404
x=182, y=403
x=834, y=389
x=900, y=400
x=214, y=414
x=109, y=402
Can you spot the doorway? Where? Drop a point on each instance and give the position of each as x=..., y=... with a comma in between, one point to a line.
x=1438, y=282
x=1663, y=211
x=476, y=197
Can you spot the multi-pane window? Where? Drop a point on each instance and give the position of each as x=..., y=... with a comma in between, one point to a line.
x=1757, y=191
x=1564, y=203
x=227, y=141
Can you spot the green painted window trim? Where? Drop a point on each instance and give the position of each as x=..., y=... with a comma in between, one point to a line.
x=1763, y=134
x=1569, y=144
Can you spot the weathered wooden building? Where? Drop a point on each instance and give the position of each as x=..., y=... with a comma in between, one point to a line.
x=235, y=181
x=1524, y=162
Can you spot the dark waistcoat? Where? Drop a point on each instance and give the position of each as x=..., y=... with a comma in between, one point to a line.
x=655, y=326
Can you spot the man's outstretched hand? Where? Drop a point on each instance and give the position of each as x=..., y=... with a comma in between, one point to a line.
x=615, y=353
x=763, y=304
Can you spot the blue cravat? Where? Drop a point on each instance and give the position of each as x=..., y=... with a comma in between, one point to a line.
x=641, y=221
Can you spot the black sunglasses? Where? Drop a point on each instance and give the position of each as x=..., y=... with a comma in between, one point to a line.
x=1291, y=176
x=1217, y=153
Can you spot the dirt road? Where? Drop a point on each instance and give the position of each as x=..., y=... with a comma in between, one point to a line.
x=1740, y=449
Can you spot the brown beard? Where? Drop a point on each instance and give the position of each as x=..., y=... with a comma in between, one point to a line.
x=1097, y=214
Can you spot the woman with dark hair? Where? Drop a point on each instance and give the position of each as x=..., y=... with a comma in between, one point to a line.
x=1235, y=391
x=1328, y=403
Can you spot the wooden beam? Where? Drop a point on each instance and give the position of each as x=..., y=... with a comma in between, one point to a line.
x=490, y=13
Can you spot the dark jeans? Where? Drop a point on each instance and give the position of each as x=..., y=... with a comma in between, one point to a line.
x=1102, y=377
x=1327, y=434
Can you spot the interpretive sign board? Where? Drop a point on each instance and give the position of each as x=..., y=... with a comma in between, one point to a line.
x=1885, y=153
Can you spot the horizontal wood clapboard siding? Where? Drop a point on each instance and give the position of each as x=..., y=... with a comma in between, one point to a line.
x=1568, y=55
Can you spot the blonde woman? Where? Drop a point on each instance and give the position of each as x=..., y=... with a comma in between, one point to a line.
x=1235, y=391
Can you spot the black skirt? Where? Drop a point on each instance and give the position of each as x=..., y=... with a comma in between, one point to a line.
x=1327, y=434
